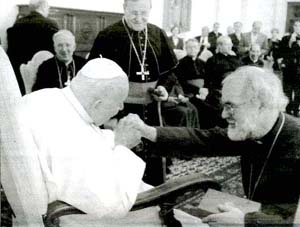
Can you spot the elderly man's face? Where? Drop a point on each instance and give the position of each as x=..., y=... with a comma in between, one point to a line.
x=64, y=47
x=137, y=13
x=241, y=115
x=237, y=27
x=225, y=46
x=192, y=48
x=255, y=53
x=256, y=27
x=297, y=27
x=111, y=103
x=216, y=27
x=205, y=31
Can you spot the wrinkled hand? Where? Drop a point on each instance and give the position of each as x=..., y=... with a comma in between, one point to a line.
x=229, y=215
x=173, y=99
x=177, y=100
x=160, y=94
x=232, y=53
x=128, y=131
x=203, y=92
x=183, y=99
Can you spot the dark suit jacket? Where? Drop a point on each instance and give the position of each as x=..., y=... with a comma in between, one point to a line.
x=48, y=76
x=245, y=42
x=201, y=46
x=276, y=189
x=27, y=36
x=235, y=42
x=212, y=39
x=291, y=61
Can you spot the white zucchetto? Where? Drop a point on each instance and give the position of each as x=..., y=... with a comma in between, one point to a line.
x=101, y=68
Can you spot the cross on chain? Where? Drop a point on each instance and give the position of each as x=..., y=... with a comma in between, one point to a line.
x=143, y=73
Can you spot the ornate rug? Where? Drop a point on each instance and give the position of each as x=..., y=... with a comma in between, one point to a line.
x=225, y=170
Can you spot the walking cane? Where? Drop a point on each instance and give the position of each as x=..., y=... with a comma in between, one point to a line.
x=164, y=162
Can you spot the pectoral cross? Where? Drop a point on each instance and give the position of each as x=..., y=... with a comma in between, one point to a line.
x=143, y=73
x=68, y=82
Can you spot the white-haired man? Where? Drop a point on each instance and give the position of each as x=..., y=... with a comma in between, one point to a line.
x=87, y=167
x=59, y=70
x=216, y=69
x=29, y=35
x=261, y=133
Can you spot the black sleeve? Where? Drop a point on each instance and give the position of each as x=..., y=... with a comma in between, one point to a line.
x=41, y=78
x=167, y=53
x=97, y=46
x=190, y=142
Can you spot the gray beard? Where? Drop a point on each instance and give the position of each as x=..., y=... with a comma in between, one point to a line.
x=249, y=129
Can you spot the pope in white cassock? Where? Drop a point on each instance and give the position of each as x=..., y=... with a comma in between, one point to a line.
x=90, y=168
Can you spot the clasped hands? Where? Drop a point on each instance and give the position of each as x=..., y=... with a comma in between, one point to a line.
x=129, y=131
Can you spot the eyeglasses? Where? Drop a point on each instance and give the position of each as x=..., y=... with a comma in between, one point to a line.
x=231, y=108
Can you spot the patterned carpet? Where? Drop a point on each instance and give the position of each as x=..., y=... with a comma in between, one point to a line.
x=226, y=170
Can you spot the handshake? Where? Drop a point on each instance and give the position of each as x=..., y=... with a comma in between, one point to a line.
x=130, y=129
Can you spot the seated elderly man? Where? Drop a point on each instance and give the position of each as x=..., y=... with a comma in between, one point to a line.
x=62, y=68
x=216, y=69
x=254, y=57
x=190, y=69
x=85, y=166
x=261, y=133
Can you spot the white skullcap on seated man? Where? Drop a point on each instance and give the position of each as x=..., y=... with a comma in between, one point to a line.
x=85, y=166
x=82, y=164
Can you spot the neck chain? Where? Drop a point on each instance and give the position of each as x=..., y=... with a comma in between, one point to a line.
x=142, y=73
x=250, y=195
x=69, y=78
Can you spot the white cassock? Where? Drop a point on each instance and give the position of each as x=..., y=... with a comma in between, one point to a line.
x=81, y=164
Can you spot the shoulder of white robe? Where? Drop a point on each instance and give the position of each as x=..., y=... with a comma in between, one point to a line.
x=22, y=181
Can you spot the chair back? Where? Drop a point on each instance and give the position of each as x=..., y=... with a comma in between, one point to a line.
x=29, y=70
x=21, y=176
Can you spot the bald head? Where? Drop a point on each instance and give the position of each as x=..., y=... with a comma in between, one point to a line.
x=40, y=6
x=101, y=87
x=224, y=45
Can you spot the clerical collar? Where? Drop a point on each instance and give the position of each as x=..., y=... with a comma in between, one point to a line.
x=68, y=93
x=61, y=63
x=268, y=138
